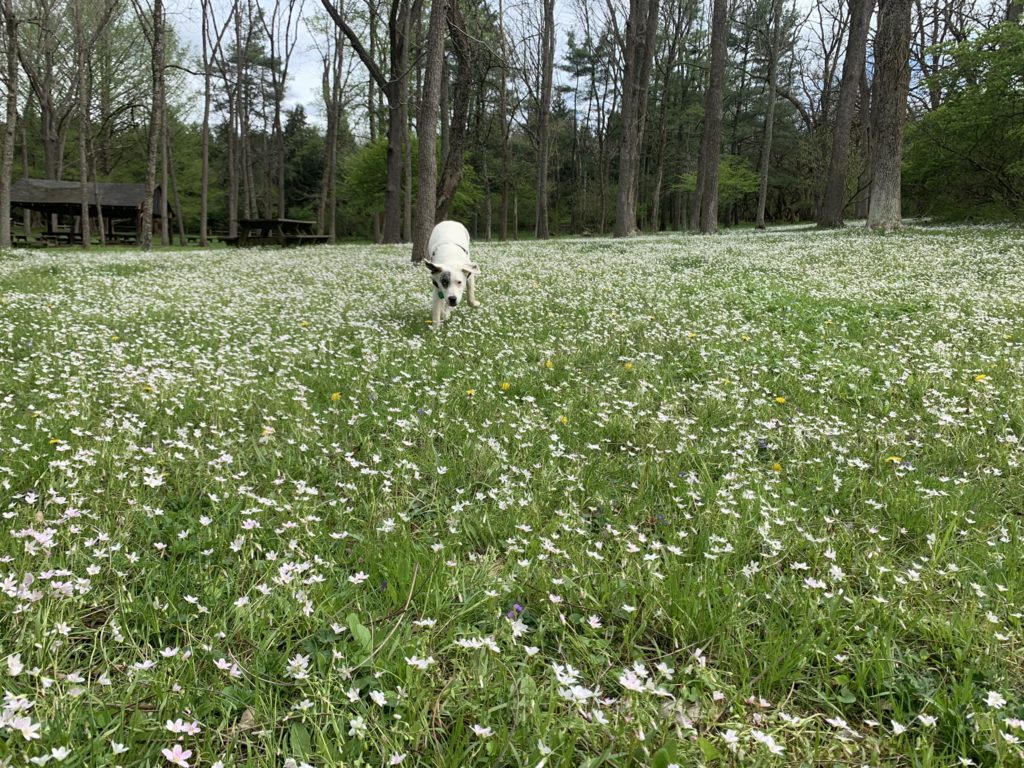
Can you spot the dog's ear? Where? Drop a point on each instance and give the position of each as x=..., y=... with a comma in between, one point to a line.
x=471, y=269
x=434, y=269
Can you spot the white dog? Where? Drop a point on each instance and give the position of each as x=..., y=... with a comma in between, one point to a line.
x=451, y=271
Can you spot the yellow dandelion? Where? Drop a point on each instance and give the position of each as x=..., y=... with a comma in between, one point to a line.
x=56, y=441
x=335, y=397
x=776, y=467
x=304, y=324
x=470, y=392
x=628, y=366
x=894, y=459
x=505, y=386
x=549, y=365
x=981, y=377
x=780, y=399
x=115, y=338
x=563, y=419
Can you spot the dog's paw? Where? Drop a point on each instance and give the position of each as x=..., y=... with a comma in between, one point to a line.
x=474, y=303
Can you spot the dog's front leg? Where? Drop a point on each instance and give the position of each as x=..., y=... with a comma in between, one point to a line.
x=436, y=313
x=471, y=291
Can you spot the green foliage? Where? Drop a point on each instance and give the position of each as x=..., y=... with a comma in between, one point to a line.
x=364, y=178
x=966, y=158
x=735, y=179
x=304, y=169
x=366, y=175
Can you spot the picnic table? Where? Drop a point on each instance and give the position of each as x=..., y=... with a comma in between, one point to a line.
x=279, y=232
x=60, y=236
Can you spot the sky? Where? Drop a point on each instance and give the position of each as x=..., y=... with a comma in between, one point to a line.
x=305, y=67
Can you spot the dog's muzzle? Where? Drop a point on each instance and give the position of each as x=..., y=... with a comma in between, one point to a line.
x=452, y=301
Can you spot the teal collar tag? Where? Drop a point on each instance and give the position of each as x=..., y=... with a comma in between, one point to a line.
x=440, y=294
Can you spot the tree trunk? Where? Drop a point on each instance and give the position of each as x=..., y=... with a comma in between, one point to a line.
x=180, y=220
x=26, y=214
x=680, y=28
x=204, y=173
x=830, y=214
x=101, y=224
x=235, y=191
x=82, y=65
x=407, y=232
x=426, y=128
x=892, y=77
x=505, y=127
x=638, y=53
x=397, y=93
x=769, y=118
x=10, y=119
x=711, y=141
x=451, y=172
x=156, y=113
x=330, y=83
x=40, y=74
x=165, y=180
x=282, y=35
x=547, y=58
x=864, y=180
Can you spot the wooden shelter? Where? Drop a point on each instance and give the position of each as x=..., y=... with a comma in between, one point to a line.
x=108, y=203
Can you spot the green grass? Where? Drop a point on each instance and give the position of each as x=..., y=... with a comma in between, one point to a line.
x=757, y=497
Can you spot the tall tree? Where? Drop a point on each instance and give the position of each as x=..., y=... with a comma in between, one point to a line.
x=212, y=37
x=155, y=27
x=282, y=31
x=426, y=129
x=331, y=91
x=82, y=67
x=547, y=63
x=706, y=207
x=888, y=112
x=637, y=53
x=451, y=171
x=833, y=201
x=504, y=123
x=10, y=39
x=86, y=30
x=41, y=51
x=771, y=96
x=679, y=17
x=394, y=87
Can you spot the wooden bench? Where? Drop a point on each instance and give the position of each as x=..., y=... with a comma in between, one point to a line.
x=305, y=239
x=277, y=232
x=123, y=236
x=60, y=237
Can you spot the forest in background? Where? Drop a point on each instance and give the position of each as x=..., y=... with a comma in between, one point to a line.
x=601, y=117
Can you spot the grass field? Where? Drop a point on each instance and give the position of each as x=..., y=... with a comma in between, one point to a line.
x=745, y=500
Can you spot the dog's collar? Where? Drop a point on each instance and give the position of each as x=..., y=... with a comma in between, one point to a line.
x=448, y=242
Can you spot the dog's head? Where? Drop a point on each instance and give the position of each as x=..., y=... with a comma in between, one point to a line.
x=450, y=280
